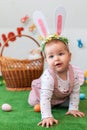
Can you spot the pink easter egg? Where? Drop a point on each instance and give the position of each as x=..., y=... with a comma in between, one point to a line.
x=6, y=107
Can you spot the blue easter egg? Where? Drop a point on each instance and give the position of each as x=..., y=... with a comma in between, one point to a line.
x=82, y=96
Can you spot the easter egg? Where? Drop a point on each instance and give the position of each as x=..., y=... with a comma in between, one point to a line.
x=82, y=96
x=6, y=107
x=37, y=108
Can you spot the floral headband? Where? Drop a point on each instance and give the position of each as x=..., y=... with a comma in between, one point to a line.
x=53, y=37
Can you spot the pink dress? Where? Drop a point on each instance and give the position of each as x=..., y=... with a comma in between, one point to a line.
x=50, y=90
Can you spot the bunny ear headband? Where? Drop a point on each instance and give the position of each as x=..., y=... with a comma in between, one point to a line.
x=42, y=26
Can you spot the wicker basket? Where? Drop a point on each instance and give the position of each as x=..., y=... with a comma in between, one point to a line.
x=18, y=74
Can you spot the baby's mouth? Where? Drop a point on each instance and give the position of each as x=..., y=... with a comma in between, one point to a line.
x=58, y=64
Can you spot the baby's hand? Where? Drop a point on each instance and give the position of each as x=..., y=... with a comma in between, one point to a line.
x=48, y=122
x=75, y=113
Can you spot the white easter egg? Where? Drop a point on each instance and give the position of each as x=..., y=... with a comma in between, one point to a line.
x=6, y=107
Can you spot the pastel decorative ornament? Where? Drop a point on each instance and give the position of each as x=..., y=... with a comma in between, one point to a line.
x=24, y=19
x=6, y=107
x=32, y=28
x=80, y=44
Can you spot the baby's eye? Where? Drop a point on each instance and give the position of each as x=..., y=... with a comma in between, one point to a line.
x=61, y=53
x=51, y=56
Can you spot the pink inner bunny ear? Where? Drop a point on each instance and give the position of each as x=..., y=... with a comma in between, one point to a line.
x=41, y=23
x=42, y=26
x=59, y=21
x=59, y=24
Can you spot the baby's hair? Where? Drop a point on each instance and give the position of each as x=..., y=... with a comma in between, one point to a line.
x=54, y=37
x=55, y=41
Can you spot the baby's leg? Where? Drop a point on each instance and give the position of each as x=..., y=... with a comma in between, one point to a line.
x=34, y=97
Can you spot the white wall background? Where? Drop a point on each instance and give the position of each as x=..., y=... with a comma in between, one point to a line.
x=11, y=11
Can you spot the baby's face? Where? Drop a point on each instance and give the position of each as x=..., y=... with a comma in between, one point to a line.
x=57, y=55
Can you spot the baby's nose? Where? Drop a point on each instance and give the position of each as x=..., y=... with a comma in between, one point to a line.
x=56, y=57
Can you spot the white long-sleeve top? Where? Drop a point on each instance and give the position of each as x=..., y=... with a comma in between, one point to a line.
x=47, y=89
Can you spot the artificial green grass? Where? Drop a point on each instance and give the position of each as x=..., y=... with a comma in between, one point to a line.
x=22, y=116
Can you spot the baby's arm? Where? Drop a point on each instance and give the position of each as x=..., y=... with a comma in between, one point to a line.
x=45, y=100
x=47, y=117
x=74, y=100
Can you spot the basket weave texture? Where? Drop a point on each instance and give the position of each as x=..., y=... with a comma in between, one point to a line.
x=18, y=74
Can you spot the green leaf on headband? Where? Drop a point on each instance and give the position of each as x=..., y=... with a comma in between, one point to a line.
x=43, y=46
x=63, y=39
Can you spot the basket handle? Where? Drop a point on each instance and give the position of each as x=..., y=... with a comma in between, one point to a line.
x=4, y=45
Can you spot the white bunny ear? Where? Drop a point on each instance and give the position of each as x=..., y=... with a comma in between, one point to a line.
x=40, y=22
x=60, y=15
